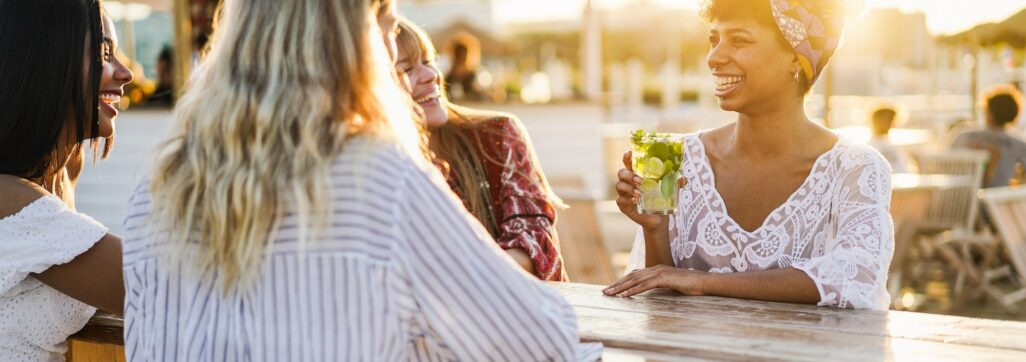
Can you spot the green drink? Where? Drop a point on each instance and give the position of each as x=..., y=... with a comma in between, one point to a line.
x=657, y=158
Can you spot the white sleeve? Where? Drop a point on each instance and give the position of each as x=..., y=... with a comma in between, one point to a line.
x=43, y=234
x=850, y=268
x=477, y=302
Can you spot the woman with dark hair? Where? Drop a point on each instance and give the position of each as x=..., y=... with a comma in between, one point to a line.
x=774, y=206
x=488, y=161
x=60, y=84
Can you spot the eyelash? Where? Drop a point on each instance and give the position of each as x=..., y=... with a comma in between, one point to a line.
x=107, y=54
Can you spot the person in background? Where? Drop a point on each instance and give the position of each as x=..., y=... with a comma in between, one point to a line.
x=882, y=121
x=461, y=80
x=61, y=84
x=1002, y=106
x=164, y=93
x=292, y=216
x=489, y=161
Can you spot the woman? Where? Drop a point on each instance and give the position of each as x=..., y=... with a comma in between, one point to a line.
x=775, y=207
x=489, y=163
x=291, y=216
x=60, y=84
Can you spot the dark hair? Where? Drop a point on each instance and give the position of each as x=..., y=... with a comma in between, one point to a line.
x=883, y=120
x=1003, y=105
x=41, y=71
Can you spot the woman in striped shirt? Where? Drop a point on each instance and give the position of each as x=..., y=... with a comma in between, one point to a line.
x=292, y=217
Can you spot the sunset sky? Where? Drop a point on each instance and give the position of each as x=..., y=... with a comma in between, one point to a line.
x=943, y=16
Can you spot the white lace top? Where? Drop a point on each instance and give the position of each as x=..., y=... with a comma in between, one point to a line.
x=836, y=227
x=35, y=319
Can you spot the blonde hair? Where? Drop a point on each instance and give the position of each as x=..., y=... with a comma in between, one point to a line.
x=278, y=95
x=452, y=142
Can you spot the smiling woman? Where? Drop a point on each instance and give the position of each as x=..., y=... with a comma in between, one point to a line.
x=60, y=79
x=775, y=207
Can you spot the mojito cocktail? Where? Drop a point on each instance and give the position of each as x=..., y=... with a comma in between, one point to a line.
x=657, y=158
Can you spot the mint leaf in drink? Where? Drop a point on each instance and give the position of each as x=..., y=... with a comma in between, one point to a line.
x=668, y=185
x=637, y=136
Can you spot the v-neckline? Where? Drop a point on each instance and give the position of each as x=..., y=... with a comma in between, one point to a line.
x=703, y=159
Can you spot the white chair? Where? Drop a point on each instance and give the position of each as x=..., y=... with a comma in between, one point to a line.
x=950, y=220
x=1007, y=210
x=953, y=208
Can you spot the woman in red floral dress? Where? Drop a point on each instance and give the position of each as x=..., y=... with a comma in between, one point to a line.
x=489, y=162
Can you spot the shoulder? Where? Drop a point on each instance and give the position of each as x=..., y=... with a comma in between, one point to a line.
x=17, y=193
x=860, y=157
x=499, y=123
x=385, y=162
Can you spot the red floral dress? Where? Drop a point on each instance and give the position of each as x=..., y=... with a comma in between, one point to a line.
x=522, y=210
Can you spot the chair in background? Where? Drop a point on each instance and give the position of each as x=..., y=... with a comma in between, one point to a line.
x=1007, y=210
x=950, y=220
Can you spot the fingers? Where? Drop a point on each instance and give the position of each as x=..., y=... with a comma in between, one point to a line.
x=631, y=281
x=682, y=182
x=648, y=284
x=627, y=162
x=627, y=187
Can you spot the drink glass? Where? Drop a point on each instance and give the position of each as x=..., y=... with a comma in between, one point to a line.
x=657, y=159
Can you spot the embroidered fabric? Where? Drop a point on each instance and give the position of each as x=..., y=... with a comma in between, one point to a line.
x=836, y=227
x=35, y=319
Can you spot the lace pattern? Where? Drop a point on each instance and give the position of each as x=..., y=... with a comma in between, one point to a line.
x=836, y=227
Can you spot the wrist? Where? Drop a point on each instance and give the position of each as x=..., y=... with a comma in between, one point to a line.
x=705, y=282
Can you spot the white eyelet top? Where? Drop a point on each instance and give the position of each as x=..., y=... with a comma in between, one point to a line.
x=836, y=227
x=35, y=319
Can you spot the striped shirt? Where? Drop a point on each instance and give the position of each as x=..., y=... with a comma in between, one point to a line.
x=401, y=273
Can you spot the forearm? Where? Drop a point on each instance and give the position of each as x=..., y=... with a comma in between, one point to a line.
x=657, y=246
x=522, y=258
x=787, y=285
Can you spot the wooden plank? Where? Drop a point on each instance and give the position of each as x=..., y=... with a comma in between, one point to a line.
x=83, y=351
x=723, y=328
x=102, y=328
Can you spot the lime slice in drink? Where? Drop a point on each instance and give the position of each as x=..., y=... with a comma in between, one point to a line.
x=654, y=168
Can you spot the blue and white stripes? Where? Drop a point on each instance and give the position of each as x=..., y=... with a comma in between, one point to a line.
x=402, y=272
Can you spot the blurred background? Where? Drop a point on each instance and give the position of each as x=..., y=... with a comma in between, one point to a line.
x=582, y=74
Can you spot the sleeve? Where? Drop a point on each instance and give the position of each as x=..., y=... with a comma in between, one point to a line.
x=525, y=214
x=43, y=234
x=475, y=301
x=850, y=265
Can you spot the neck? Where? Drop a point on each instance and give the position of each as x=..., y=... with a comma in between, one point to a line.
x=50, y=180
x=996, y=127
x=773, y=130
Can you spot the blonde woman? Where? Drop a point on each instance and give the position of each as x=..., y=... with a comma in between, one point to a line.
x=289, y=220
x=488, y=161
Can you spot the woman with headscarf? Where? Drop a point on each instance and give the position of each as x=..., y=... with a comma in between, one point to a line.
x=774, y=207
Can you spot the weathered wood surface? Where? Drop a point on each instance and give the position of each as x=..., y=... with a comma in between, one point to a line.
x=661, y=325
x=664, y=323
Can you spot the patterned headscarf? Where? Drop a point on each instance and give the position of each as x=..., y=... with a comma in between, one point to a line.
x=813, y=30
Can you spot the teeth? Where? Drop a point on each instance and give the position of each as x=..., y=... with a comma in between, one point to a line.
x=110, y=98
x=727, y=82
x=430, y=97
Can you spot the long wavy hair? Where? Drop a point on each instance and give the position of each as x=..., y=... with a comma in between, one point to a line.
x=454, y=143
x=280, y=92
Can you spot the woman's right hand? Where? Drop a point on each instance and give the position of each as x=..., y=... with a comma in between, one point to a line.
x=628, y=193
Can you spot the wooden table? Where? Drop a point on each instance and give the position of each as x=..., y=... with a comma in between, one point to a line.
x=661, y=325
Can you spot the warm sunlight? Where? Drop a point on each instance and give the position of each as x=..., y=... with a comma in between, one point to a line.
x=943, y=16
